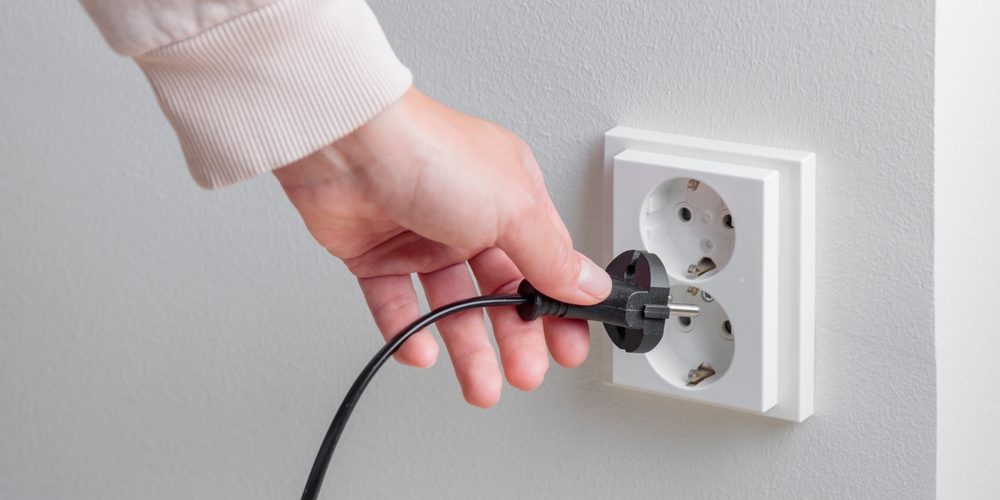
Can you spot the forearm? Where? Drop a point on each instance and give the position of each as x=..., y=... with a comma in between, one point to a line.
x=253, y=85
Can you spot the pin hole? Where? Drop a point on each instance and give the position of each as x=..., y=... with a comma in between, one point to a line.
x=685, y=214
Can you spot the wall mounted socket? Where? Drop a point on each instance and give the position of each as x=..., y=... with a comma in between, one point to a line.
x=735, y=228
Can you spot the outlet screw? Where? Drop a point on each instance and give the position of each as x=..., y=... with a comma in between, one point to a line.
x=706, y=297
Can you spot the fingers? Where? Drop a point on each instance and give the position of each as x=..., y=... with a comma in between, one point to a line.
x=393, y=303
x=568, y=340
x=522, y=344
x=465, y=335
x=548, y=261
x=405, y=253
x=537, y=240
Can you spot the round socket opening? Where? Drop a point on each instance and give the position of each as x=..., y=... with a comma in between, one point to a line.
x=685, y=214
x=690, y=345
x=689, y=226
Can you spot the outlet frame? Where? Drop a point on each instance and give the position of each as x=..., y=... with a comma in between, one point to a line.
x=794, y=330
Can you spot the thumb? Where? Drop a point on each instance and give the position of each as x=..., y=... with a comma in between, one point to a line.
x=545, y=256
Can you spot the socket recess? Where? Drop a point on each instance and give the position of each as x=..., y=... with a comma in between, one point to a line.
x=735, y=228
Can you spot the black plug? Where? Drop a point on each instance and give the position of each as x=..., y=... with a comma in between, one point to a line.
x=634, y=314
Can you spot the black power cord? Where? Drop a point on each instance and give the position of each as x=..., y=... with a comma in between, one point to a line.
x=634, y=316
x=347, y=406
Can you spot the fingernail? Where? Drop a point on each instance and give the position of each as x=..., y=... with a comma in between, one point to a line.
x=593, y=280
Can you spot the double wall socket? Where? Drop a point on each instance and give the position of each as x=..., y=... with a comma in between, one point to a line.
x=735, y=228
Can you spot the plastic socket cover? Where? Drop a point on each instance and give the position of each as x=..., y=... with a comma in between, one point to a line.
x=734, y=227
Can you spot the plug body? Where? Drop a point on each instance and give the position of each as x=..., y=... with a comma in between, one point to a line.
x=635, y=312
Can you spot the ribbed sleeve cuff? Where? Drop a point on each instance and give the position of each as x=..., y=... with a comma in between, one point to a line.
x=274, y=85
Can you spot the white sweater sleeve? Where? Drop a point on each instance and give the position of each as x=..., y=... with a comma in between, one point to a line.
x=253, y=85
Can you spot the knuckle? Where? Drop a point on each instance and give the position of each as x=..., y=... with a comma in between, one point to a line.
x=470, y=354
x=360, y=266
x=522, y=149
x=523, y=204
x=562, y=270
x=507, y=287
x=394, y=304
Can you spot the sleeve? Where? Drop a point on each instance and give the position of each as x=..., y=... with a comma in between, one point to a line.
x=250, y=86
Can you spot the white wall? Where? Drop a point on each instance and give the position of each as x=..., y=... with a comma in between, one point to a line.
x=157, y=341
x=966, y=213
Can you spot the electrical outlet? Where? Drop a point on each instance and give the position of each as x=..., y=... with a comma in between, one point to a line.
x=735, y=228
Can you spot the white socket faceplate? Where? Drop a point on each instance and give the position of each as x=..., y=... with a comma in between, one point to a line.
x=765, y=287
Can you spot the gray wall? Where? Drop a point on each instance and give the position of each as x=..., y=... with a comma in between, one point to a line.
x=158, y=341
x=966, y=214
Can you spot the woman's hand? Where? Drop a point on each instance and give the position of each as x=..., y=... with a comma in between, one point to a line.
x=423, y=188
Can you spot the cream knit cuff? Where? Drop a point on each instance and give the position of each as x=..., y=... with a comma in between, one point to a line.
x=274, y=85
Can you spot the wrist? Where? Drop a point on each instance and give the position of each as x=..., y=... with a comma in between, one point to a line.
x=387, y=139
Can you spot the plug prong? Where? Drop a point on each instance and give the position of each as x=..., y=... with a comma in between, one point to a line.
x=684, y=310
x=658, y=311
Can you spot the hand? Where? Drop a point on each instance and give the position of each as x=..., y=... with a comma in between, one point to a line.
x=423, y=188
